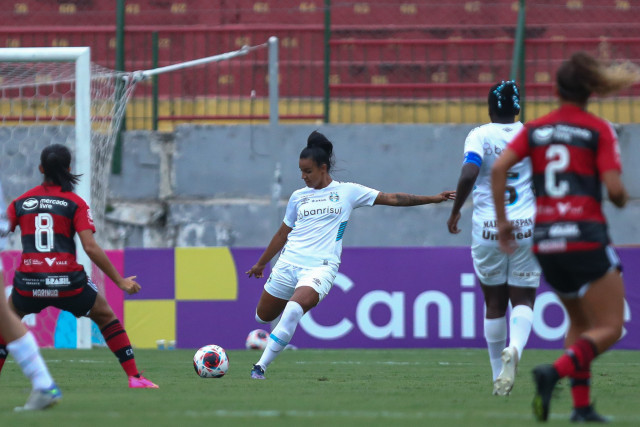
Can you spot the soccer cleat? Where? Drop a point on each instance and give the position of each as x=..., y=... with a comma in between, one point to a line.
x=545, y=377
x=257, y=372
x=140, y=382
x=504, y=383
x=42, y=399
x=587, y=415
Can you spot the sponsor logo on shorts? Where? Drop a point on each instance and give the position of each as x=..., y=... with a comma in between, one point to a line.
x=57, y=281
x=552, y=245
x=526, y=273
x=45, y=293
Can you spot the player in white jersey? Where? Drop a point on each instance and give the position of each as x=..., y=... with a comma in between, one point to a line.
x=503, y=277
x=15, y=337
x=310, y=242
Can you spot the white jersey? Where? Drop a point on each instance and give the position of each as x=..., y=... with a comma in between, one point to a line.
x=319, y=219
x=488, y=141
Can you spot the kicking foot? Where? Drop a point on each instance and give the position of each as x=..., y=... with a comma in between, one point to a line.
x=257, y=372
x=545, y=377
x=42, y=399
x=504, y=383
x=140, y=382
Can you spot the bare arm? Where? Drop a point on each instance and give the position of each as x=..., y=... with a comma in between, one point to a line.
x=404, y=199
x=468, y=176
x=615, y=188
x=99, y=258
x=277, y=243
x=507, y=159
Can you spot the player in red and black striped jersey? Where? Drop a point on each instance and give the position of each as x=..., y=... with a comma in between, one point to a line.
x=573, y=153
x=49, y=216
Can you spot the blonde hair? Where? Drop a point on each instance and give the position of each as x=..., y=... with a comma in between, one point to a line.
x=583, y=75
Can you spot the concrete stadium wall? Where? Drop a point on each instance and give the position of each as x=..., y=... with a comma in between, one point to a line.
x=219, y=185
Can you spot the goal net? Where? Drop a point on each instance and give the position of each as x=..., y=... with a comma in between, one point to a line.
x=57, y=96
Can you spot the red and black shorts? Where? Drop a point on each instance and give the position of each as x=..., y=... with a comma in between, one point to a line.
x=78, y=305
x=571, y=273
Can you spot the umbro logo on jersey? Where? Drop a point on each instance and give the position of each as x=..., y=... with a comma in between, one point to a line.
x=30, y=204
x=50, y=261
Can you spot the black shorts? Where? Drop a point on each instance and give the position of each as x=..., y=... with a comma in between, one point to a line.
x=78, y=305
x=570, y=273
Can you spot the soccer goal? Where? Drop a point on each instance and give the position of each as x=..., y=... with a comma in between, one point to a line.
x=57, y=95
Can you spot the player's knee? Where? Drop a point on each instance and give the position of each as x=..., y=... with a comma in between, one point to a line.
x=260, y=320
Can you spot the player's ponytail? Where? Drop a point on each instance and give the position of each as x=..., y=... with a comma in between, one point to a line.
x=504, y=99
x=320, y=149
x=55, y=161
x=583, y=75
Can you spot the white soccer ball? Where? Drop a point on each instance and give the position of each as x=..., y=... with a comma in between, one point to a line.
x=211, y=361
x=257, y=339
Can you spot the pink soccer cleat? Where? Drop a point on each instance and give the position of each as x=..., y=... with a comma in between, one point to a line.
x=140, y=382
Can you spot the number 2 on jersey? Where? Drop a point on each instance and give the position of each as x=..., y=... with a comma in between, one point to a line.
x=44, y=232
x=559, y=156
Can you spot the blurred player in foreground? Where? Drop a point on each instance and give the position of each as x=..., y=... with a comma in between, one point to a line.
x=514, y=277
x=310, y=242
x=49, y=216
x=573, y=153
x=22, y=344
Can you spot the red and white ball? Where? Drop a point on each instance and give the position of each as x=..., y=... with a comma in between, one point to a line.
x=257, y=339
x=211, y=361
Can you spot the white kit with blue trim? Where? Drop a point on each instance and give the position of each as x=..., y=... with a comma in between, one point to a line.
x=319, y=219
x=482, y=147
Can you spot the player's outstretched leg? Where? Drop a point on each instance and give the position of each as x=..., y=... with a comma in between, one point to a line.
x=545, y=378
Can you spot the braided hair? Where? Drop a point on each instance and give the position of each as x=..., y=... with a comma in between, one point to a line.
x=504, y=99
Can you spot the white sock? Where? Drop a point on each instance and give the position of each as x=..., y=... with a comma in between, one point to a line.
x=495, y=332
x=520, y=325
x=282, y=334
x=27, y=353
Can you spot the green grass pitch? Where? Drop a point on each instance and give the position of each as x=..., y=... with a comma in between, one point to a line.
x=435, y=387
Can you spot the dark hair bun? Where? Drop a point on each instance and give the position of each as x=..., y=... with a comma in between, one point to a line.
x=316, y=139
x=504, y=98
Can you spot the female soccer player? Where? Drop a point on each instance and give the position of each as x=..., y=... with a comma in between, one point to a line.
x=310, y=241
x=49, y=216
x=22, y=344
x=503, y=277
x=573, y=152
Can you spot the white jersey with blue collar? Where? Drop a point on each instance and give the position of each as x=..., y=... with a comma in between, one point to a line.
x=483, y=146
x=318, y=219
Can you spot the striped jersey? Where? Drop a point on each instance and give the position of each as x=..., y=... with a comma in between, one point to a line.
x=319, y=219
x=49, y=219
x=570, y=149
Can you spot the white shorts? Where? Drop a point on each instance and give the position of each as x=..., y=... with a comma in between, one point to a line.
x=286, y=278
x=494, y=267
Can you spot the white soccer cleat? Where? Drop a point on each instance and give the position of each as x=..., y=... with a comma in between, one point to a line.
x=504, y=383
x=42, y=399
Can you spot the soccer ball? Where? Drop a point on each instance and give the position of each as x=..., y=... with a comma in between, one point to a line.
x=211, y=361
x=257, y=339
